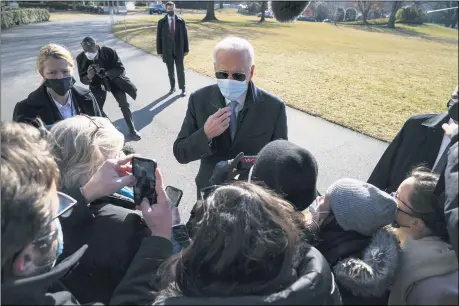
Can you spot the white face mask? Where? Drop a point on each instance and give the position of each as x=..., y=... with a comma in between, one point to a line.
x=232, y=89
x=90, y=55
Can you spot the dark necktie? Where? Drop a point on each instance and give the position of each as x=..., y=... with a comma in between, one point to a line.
x=441, y=165
x=172, y=29
x=233, y=119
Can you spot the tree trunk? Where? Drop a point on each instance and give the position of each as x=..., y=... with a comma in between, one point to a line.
x=221, y=5
x=395, y=7
x=263, y=11
x=74, y=5
x=210, y=15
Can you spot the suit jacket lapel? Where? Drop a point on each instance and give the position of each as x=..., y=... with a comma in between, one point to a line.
x=218, y=101
x=246, y=116
x=434, y=136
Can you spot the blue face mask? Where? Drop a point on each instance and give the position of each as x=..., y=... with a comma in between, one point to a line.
x=232, y=89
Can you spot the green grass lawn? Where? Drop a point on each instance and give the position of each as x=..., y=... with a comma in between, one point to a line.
x=367, y=80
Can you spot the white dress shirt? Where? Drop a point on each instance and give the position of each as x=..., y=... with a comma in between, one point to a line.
x=67, y=110
x=171, y=19
x=444, y=143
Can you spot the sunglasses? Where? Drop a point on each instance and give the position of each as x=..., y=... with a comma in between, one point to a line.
x=44, y=242
x=223, y=75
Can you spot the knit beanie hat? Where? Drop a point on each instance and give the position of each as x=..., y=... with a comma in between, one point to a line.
x=289, y=170
x=360, y=207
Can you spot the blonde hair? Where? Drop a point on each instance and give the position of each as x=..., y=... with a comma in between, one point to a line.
x=53, y=51
x=82, y=145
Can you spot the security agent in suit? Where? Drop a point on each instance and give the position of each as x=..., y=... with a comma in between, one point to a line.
x=421, y=141
x=172, y=45
x=102, y=69
x=231, y=117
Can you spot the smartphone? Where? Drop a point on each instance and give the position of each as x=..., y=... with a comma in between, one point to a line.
x=246, y=162
x=144, y=170
x=180, y=234
x=174, y=194
x=207, y=191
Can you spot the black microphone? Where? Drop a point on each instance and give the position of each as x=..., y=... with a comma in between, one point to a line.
x=286, y=11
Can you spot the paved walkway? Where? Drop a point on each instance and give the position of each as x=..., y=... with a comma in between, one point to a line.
x=339, y=151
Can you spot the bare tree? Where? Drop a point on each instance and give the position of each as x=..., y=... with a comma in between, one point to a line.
x=396, y=5
x=210, y=15
x=365, y=8
x=264, y=6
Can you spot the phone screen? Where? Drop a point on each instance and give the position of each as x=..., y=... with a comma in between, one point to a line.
x=174, y=194
x=144, y=171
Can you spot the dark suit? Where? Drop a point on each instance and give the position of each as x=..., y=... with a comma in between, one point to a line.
x=173, y=50
x=262, y=120
x=39, y=105
x=116, y=81
x=417, y=143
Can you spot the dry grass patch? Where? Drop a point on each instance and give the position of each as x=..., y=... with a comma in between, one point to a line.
x=367, y=81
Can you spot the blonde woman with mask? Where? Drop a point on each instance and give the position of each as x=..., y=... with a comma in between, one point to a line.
x=57, y=98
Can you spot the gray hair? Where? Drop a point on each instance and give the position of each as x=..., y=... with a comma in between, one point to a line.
x=82, y=145
x=236, y=44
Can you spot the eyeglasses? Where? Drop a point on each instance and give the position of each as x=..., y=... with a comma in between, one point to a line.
x=238, y=76
x=416, y=213
x=44, y=242
x=98, y=127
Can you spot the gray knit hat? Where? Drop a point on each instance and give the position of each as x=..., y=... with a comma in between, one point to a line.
x=360, y=207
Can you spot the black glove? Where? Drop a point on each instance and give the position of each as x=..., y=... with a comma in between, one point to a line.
x=225, y=170
x=91, y=72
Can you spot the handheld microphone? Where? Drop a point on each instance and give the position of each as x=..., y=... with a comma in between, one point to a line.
x=287, y=11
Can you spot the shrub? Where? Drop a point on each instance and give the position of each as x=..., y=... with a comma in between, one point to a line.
x=139, y=3
x=339, y=14
x=350, y=15
x=13, y=17
x=410, y=14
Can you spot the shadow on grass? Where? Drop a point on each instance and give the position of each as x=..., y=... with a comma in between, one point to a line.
x=383, y=28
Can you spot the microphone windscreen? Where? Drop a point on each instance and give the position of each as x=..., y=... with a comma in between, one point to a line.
x=286, y=11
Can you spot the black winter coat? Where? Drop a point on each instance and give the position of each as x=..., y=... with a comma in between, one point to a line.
x=417, y=143
x=108, y=59
x=167, y=47
x=39, y=105
x=364, y=267
x=114, y=234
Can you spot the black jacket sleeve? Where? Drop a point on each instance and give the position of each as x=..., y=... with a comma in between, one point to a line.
x=159, y=41
x=19, y=113
x=138, y=285
x=186, y=47
x=191, y=143
x=116, y=64
x=381, y=174
x=451, y=190
x=281, y=129
x=82, y=69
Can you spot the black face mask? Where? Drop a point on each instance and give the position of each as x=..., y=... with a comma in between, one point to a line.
x=171, y=13
x=60, y=86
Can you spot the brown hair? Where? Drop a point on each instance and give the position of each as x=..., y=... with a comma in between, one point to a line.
x=28, y=171
x=53, y=51
x=245, y=243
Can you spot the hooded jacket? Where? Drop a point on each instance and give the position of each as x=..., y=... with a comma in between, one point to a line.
x=313, y=284
x=364, y=267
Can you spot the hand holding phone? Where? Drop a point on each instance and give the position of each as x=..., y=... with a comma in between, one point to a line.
x=246, y=162
x=144, y=171
x=174, y=194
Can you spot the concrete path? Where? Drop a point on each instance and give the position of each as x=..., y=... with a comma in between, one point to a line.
x=339, y=151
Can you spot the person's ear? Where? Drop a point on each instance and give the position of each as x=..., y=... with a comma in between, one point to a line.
x=252, y=70
x=23, y=262
x=418, y=225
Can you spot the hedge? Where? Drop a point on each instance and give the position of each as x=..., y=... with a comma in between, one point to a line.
x=411, y=14
x=13, y=17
